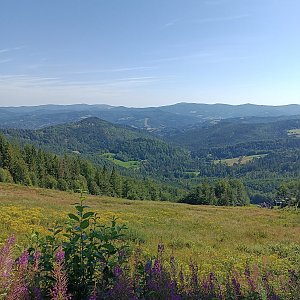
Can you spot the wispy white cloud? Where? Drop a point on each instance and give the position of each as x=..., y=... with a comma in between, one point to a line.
x=6, y=60
x=222, y=19
x=115, y=70
x=171, y=23
x=184, y=57
x=5, y=50
x=225, y=59
x=23, y=89
x=27, y=81
x=206, y=20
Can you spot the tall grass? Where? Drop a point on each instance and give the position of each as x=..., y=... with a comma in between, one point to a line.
x=204, y=252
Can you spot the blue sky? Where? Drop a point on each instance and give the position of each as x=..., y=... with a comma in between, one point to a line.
x=149, y=53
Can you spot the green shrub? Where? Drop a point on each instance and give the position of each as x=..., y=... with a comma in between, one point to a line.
x=92, y=250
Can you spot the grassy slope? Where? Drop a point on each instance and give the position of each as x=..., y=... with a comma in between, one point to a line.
x=131, y=164
x=242, y=160
x=213, y=236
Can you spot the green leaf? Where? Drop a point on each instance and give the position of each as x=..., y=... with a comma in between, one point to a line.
x=88, y=215
x=79, y=208
x=84, y=224
x=110, y=248
x=73, y=217
x=57, y=231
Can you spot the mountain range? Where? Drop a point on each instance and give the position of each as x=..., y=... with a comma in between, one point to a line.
x=155, y=119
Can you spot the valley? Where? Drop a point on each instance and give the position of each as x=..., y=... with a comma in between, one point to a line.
x=193, y=143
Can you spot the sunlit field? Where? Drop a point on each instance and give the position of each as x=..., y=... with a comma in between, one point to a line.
x=216, y=238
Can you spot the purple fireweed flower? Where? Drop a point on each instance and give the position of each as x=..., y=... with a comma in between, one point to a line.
x=236, y=286
x=6, y=262
x=94, y=294
x=175, y=297
x=18, y=291
x=37, y=255
x=118, y=271
x=59, y=290
x=93, y=297
x=19, y=286
x=37, y=294
x=157, y=267
x=205, y=286
x=122, y=289
x=209, y=284
x=9, y=243
x=23, y=260
x=60, y=255
x=273, y=297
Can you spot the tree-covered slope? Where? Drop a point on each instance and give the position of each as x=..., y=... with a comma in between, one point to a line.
x=226, y=111
x=94, y=137
x=263, y=135
x=30, y=165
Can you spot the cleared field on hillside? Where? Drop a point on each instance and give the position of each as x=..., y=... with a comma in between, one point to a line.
x=241, y=160
x=215, y=237
x=131, y=164
x=294, y=132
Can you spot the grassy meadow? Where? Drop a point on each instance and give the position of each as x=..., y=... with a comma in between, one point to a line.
x=294, y=132
x=241, y=160
x=131, y=164
x=215, y=237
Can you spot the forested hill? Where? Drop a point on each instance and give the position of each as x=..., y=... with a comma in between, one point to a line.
x=252, y=134
x=261, y=151
x=226, y=111
x=29, y=165
x=100, y=140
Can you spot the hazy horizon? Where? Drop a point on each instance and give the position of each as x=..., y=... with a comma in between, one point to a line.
x=149, y=53
x=128, y=106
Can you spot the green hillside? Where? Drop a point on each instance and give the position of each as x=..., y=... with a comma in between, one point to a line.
x=235, y=131
x=93, y=137
x=215, y=237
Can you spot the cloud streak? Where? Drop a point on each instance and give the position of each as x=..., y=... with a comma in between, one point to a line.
x=26, y=81
x=171, y=23
x=5, y=50
x=114, y=70
x=222, y=19
x=218, y=19
x=184, y=57
x=24, y=89
x=2, y=61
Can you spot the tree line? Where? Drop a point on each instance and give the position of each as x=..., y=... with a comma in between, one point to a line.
x=32, y=166
x=224, y=192
x=289, y=193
